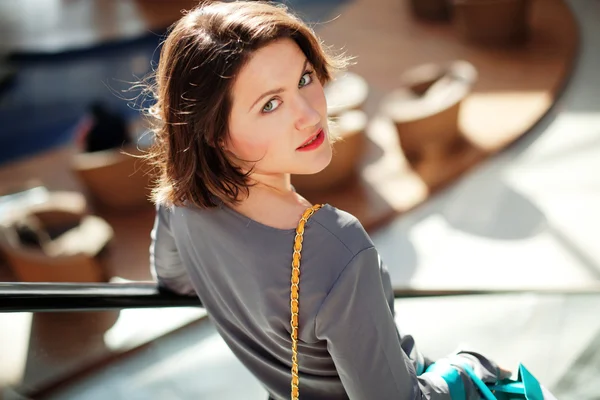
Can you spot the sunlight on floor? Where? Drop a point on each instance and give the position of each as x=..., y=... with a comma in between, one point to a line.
x=136, y=327
x=14, y=345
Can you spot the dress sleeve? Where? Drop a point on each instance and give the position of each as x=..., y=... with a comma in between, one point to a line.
x=371, y=358
x=165, y=263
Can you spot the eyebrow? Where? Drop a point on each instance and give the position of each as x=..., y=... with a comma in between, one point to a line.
x=277, y=90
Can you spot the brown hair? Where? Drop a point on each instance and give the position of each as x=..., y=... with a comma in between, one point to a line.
x=200, y=58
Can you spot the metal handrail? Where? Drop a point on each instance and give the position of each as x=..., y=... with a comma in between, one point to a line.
x=42, y=297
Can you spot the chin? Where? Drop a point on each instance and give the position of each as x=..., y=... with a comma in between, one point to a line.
x=318, y=164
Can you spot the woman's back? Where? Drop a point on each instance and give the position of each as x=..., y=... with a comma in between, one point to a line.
x=240, y=109
x=241, y=270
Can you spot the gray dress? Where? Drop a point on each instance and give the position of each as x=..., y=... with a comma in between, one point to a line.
x=349, y=345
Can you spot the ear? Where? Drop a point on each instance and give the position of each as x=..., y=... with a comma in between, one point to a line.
x=224, y=149
x=224, y=146
x=221, y=144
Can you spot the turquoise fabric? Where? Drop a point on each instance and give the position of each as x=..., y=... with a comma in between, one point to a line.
x=452, y=378
x=526, y=387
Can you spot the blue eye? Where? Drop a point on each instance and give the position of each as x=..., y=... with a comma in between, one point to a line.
x=271, y=105
x=306, y=79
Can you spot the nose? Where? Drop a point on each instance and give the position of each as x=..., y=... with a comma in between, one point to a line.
x=306, y=114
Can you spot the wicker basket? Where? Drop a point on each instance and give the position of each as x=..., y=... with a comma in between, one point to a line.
x=61, y=242
x=492, y=22
x=346, y=92
x=426, y=108
x=431, y=10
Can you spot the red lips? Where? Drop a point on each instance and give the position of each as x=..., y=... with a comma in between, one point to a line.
x=313, y=142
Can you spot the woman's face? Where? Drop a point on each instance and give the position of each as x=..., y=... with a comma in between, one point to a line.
x=279, y=113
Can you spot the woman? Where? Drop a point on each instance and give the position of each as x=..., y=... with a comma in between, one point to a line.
x=241, y=106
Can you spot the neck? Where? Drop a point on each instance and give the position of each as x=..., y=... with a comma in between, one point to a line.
x=269, y=192
x=280, y=184
x=272, y=201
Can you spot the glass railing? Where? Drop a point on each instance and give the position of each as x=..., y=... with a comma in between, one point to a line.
x=53, y=334
x=64, y=341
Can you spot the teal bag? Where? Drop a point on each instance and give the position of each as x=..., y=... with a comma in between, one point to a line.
x=526, y=387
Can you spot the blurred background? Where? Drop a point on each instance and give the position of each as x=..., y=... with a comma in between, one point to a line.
x=471, y=148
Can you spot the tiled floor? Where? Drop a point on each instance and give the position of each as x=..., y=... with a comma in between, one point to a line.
x=529, y=217
x=545, y=334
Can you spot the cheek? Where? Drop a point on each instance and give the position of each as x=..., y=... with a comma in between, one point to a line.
x=254, y=141
x=316, y=98
x=248, y=148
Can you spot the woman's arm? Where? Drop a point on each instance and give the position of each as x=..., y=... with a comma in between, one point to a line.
x=165, y=263
x=373, y=362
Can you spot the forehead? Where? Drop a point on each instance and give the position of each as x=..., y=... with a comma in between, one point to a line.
x=276, y=65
